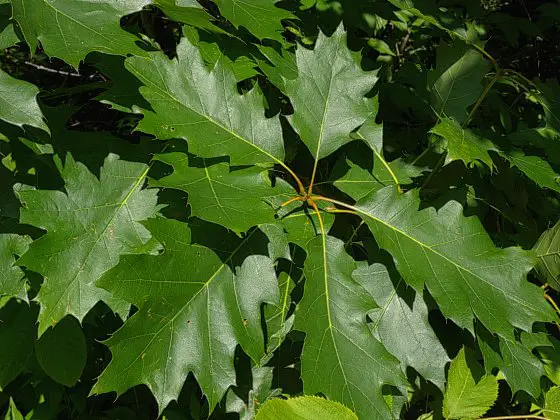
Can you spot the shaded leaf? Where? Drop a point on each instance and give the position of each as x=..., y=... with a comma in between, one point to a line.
x=61, y=351
x=521, y=368
x=18, y=328
x=456, y=82
x=12, y=277
x=536, y=168
x=548, y=252
x=18, y=103
x=403, y=327
x=260, y=17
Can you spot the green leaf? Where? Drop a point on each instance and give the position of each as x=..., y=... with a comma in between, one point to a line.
x=359, y=182
x=18, y=103
x=455, y=258
x=465, y=399
x=189, y=12
x=304, y=408
x=237, y=199
x=402, y=325
x=552, y=403
x=88, y=227
x=12, y=278
x=231, y=52
x=536, y=168
x=70, y=30
x=455, y=83
x=341, y=359
x=380, y=46
x=463, y=144
x=548, y=252
x=260, y=17
x=303, y=225
x=329, y=94
x=521, y=368
x=549, y=99
x=204, y=108
x=13, y=412
x=8, y=36
x=18, y=328
x=61, y=351
x=194, y=310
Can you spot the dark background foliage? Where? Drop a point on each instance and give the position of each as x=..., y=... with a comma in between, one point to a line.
x=522, y=35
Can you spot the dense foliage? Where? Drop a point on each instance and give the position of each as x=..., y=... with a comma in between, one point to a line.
x=210, y=208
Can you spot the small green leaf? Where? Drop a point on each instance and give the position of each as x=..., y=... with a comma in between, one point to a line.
x=8, y=36
x=304, y=408
x=189, y=12
x=12, y=277
x=536, y=168
x=18, y=103
x=465, y=399
x=260, y=17
x=13, y=412
x=463, y=144
x=552, y=404
x=548, y=252
x=61, y=351
x=380, y=46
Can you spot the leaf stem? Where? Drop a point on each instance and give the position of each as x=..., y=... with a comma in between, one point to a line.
x=321, y=224
x=482, y=96
x=291, y=200
x=293, y=174
x=421, y=155
x=436, y=168
x=335, y=210
x=310, y=190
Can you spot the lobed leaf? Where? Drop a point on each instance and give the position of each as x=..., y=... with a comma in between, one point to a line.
x=88, y=227
x=341, y=359
x=455, y=259
x=193, y=312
